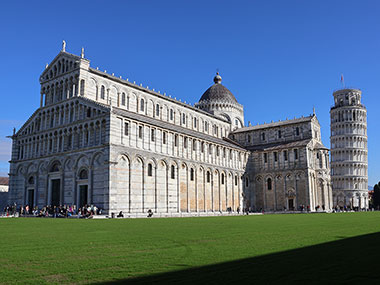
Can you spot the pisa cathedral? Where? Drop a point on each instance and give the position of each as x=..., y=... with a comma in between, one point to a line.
x=99, y=139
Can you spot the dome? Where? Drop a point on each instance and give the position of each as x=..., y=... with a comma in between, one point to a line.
x=218, y=92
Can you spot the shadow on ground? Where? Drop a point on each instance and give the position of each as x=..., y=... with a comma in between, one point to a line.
x=349, y=260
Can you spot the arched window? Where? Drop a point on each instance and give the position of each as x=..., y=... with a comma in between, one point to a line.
x=192, y=174
x=140, y=132
x=142, y=105
x=176, y=140
x=246, y=182
x=194, y=145
x=195, y=123
x=164, y=137
x=208, y=176
x=171, y=115
x=206, y=127
x=69, y=140
x=157, y=110
x=183, y=119
x=236, y=180
x=82, y=87
x=102, y=92
x=126, y=128
x=263, y=136
x=54, y=167
x=285, y=155
x=83, y=174
x=297, y=131
x=31, y=180
x=172, y=172
x=150, y=169
x=222, y=178
x=269, y=184
x=123, y=99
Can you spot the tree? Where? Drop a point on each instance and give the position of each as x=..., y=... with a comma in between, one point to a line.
x=376, y=196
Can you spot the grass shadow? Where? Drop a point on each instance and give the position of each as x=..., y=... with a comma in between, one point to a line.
x=351, y=260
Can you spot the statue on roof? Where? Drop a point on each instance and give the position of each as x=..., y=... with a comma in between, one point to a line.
x=63, y=45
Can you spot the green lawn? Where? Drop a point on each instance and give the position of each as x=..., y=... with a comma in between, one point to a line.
x=312, y=248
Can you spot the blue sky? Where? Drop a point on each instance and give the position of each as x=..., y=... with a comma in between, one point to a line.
x=279, y=58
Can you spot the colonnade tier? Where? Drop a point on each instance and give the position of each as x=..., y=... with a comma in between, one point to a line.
x=349, y=164
x=59, y=115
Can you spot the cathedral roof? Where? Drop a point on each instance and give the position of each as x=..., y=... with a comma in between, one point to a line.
x=275, y=124
x=158, y=123
x=4, y=180
x=218, y=92
x=279, y=145
x=287, y=145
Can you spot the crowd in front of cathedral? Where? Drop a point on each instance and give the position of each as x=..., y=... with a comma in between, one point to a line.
x=65, y=211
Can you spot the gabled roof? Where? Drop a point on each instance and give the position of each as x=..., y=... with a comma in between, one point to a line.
x=4, y=181
x=319, y=145
x=287, y=145
x=276, y=124
x=62, y=54
x=80, y=98
x=279, y=145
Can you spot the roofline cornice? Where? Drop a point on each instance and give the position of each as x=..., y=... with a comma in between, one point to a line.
x=143, y=89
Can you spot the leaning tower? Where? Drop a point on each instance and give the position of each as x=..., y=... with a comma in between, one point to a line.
x=349, y=150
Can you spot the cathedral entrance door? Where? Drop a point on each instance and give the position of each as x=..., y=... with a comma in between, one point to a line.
x=291, y=204
x=30, y=198
x=83, y=191
x=55, y=192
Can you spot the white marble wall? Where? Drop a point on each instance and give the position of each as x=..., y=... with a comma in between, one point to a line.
x=349, y=163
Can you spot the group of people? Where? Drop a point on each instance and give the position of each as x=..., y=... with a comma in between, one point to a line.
x=88, y=211
x=345, y=208
x=65, y=211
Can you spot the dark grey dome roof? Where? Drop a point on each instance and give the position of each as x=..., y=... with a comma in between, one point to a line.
x=218, y=92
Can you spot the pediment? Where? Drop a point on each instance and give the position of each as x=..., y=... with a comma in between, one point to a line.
x=33, y=123
x=64, y=62
x=24, y=128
